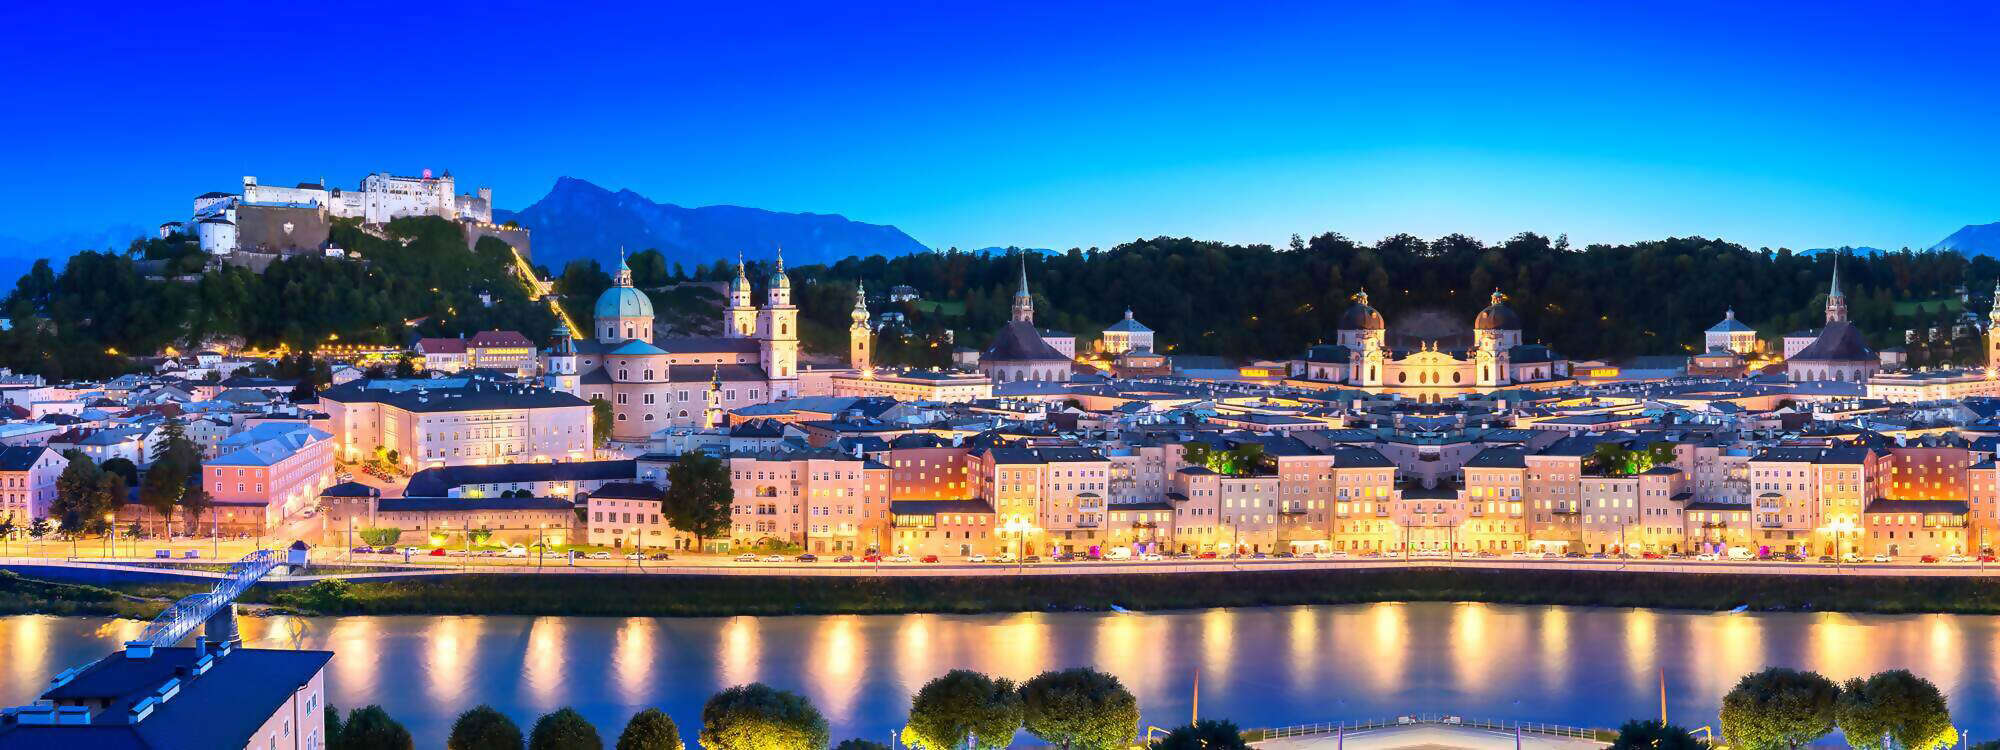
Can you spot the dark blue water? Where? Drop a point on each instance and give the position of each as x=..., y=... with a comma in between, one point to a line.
x=1260, y=667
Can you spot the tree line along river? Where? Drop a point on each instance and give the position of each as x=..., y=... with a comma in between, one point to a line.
x=1259, y=666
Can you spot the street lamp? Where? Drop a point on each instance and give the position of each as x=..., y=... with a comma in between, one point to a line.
x=110, y=534
x=1018, y=528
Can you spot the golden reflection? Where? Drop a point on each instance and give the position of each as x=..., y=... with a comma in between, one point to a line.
x=1018, y=647
x=633, y=660
x=1302, y=641
x=1946, y=659
x=356, y=645
x=1217, y=636
x=450, y=638
x=838, y=657
x=544, y=663
x=1835, y=645
x=740, y=644
x=26, y=649
x=1555, y=647
x=1392, y=628
x=913, y=651
x=1642, y=643
x=1468, y=646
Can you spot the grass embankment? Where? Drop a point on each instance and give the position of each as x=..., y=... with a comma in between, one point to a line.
x=677, y=595
x=28, y=596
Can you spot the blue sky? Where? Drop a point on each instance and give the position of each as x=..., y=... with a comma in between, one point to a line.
x=981, y=124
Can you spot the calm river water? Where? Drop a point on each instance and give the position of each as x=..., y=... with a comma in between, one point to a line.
x=1260, y=667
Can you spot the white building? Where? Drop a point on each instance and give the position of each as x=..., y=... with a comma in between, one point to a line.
x=455, y=421
x=1126, y=335
x=1731, y=335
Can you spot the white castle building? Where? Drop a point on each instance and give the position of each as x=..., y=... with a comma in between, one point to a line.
x=218, y=217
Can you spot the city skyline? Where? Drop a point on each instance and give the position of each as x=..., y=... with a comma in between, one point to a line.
x=1057, y=128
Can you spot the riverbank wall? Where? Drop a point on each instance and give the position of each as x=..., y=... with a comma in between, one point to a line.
x=700, y=595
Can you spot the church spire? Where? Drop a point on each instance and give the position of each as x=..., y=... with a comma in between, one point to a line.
x=624, y=269
x=1836, y=301
x=1024, y=302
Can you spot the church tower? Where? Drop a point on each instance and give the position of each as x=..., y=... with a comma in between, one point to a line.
x=622, y=312
x=740, y=320
x=1836, y=301
x=778, y=334
x=857, y=330
x=1024, y=303
x=1993, y=332
x=711, y=414
x=561, y=371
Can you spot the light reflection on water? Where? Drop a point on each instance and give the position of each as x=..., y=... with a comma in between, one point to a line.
x=1258, y=666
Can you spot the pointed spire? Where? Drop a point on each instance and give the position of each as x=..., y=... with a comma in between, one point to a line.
x=1836, y=301
x=1023, y=291
x=781, y=259
x=1361, y=297
x=624, y=276
x=1834, y=290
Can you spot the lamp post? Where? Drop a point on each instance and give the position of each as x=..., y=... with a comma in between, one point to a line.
x=110, y=534
x=541, y=545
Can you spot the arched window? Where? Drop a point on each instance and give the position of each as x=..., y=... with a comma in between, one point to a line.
x=649, y=416
x=1402, y=377
x=684, y=413
x=649, y=374
x=1456, y=378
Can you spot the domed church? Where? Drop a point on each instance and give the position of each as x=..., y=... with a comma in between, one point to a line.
x=1361, y=357
x=680, y=382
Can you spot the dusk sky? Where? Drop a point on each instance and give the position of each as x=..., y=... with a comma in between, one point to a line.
x=977, y=124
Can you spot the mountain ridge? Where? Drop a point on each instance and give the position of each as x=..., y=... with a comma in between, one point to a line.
x=578, y=219
x=1973, y=239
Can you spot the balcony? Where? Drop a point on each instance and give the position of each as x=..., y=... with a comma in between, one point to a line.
x=1292, y=509
x=1568, y=508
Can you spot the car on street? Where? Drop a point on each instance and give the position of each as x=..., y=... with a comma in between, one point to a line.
x=1850, y=558
x=1883, y=558
x=659, y=556
x=1986, y=558
x=1828, y=558
x=1150, y=556
x=1957, y=558
x=362, y=551
x=808, y=557
x=1032, y=559
x=930, y=558
x=599, y=555
x=1928, y=559
x=1206, y=556
x=844, y=558
x=746, y=557
x=871, y=557
x=1708, y=557
x=900, y=559
x=774, y=558
x=1006, y=558
x=437, y=552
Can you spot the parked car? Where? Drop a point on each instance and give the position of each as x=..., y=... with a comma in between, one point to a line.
x=363, y=550
x=636, y=556
x=1928, y=559
x=976, y=559
x=930, y=558
x=1286, y=555
x=516, y=551
x=1708, y=557
x=437, y=552
x=1884, y=558
x=774, y=558
x=1828, y=558
x=1850, y=558
x=599, y=555
x=1986, y=558
x=900, y=559
x=1206, y=556
x=1957, y=558
x=808, y=557
x=1151, y=556
x=1006, y=558
x=1032, y=559
x=872, y=557
x=746, y=557
x=1654, y=556
x=660, y=556
x=844, y=558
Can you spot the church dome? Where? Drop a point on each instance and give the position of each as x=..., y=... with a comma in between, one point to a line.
x=1497, y=316
x=1361, y=317
x=623, y=302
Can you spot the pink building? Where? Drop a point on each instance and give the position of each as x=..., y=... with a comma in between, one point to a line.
x=277, y=468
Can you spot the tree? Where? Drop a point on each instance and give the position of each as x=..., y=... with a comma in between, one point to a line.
x=650, y=729
x=7, y=529
x=194, y=502
x=161, y=492
x=1205, y=734
x=40, y=528
x=123, y=467
x=759, y=717
x=1080, y=708
x=1650, y=734
x=564, y=729
x=82, y=497
x=484, y=728
x=1894, y=709
x=370, y=728
x=1778, y=708
x=963, y=705
x=333, y=733
x=698, y=496
x=406, y=366
x=600, y=422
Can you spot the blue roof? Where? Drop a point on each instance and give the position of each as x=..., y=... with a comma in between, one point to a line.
x=635, y=348
x=266, y=444
x=221, y=707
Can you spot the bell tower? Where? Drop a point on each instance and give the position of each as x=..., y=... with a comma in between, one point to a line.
x=857, y=330
x=741, y=318
x=778, y=336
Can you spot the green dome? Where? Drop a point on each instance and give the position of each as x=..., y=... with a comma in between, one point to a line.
x=623, y=302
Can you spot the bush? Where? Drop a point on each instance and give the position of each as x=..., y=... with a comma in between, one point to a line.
x=329, y=596
x=650, y=729
x=564, y=729
x=759, y=717
x=370, y=728
x=484, y=728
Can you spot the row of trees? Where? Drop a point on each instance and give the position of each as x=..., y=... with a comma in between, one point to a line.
x=1076, y=709
x=1785, y=709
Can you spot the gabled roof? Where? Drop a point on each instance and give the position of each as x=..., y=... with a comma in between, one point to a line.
x=1838, y=342
x=1020, y=342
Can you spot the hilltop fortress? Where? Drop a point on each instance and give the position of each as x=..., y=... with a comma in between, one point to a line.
x=277, y=220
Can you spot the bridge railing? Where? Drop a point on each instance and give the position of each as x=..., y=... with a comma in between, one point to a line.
x=1525, y=727
x=190, y=612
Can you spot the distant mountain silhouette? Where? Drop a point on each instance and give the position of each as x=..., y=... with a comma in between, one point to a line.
x=580, y=220
x=1973, y=239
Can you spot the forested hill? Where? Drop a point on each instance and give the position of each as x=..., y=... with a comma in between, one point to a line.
x=1609, y=301
x=84, y=321
x=1240, y=301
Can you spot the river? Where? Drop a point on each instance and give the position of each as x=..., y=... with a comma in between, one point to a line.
x=1260, y=667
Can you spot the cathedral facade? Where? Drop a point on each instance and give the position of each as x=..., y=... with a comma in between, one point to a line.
x=653, y=383
x=1363, y=357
